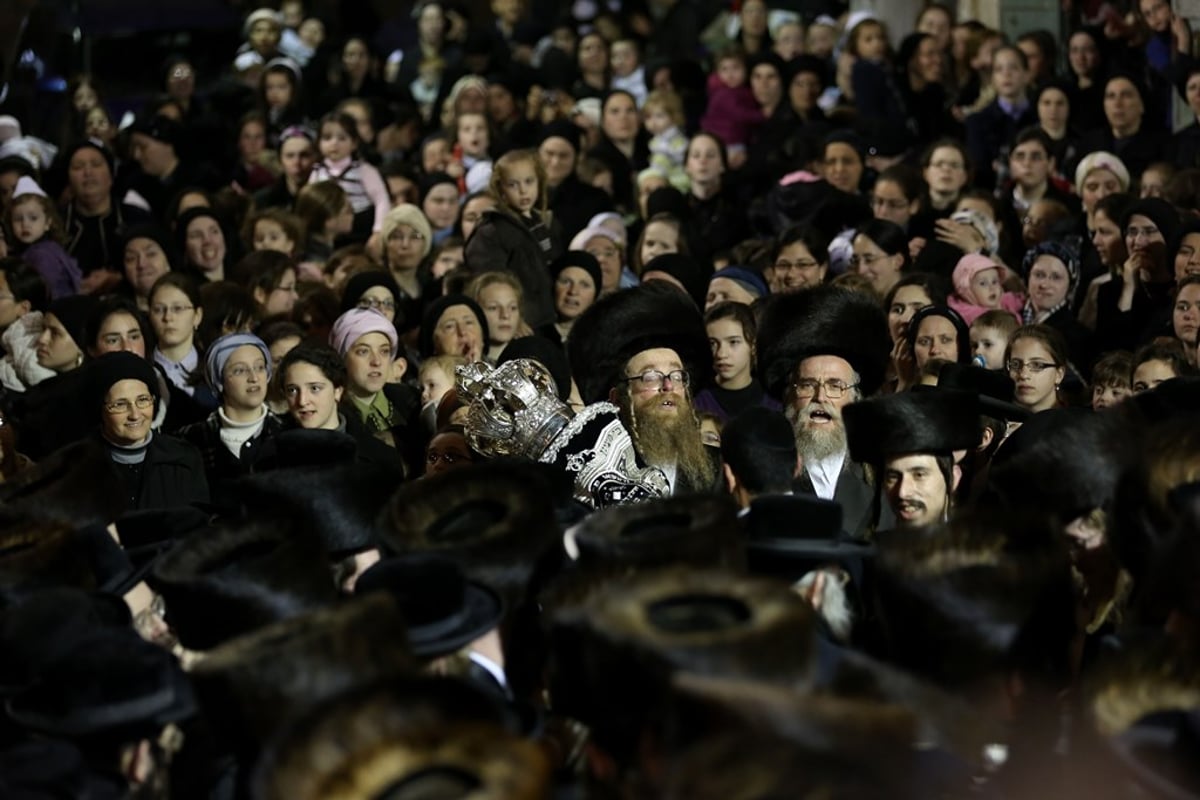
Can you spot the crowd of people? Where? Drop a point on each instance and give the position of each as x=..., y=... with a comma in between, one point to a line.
x=630, y=399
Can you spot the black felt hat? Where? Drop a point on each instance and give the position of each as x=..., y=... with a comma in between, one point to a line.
x=230, y=581
x=993, y=388
x=936, y=423
x=443, y=611
x=621, y=325
x=822, y=321
x=788, y=536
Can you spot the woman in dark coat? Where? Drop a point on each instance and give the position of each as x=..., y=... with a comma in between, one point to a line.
x=158, y=471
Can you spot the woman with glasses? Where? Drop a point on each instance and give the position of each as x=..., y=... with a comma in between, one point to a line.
x=157, y=471
x=376, y=290
x=407, y=240
x=800, y=260
x=271, y=278
x=897, y=196
x=237, y=369
x=880, y=255
x=175, y=315
x=1036, y=360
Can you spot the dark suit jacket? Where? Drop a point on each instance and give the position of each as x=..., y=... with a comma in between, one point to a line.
x=857, y=497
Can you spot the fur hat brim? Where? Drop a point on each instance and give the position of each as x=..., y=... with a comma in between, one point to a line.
x=936, y=422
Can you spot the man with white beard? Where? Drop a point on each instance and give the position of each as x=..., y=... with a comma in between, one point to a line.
x=643, y=349
x=820, y=350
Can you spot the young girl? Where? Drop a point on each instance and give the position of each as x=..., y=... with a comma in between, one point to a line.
x=732, y=114
x=1037, y=362
x=470, y=161
x=271, y=278
x=279, y=98
x=979, y=287
x=338, y=147
x=665, y=120
x=175, y=315
x=274, y=229
x=257, y=165
x=499, y=295
x=37, y=228
x=520, y=236
x=326, y=213
x=662, y=234
x=731, y=334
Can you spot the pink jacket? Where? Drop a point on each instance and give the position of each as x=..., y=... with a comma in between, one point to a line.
x=962, y=300
x=732, y=114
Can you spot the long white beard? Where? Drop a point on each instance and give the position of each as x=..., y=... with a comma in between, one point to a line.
x=817, y=443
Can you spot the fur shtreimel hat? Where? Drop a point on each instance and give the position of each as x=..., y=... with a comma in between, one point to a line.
x=75, y=485
x=822, y=321
x=249, y=686
x=933, y=422
x=223, y=583
x=493, y=519
x=701, y=531
x=615, y=652
x=411, y=738
x=621, y=325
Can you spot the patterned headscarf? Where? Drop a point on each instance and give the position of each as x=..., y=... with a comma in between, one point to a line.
x=1069, y=256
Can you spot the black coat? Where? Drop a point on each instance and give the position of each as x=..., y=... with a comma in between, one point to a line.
x=172, y=475
x=1137, y=152
x=989, y=132
x=574, y=202
x=221, y=467
x=856, y=495
x=501, y=242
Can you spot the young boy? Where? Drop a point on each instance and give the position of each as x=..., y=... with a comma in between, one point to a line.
x=628, y=74
x=664, y=117
x=989, y=337
x=1110, y=379
x=437, y=377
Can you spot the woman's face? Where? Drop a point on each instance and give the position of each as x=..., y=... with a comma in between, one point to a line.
x=1049, y=282
x=369, y=363
x=609, y=255
x=704, y=160
x=280, y=348
x=936, y=338
x=244, y=381
x=472, y=212
x=927, y=62
x=1192, y=93
x=97, y=124
x=380, y=299
x=1144, y=240
x=888, y=202
x=1082, y=54
x=448, y=260
x=766, y=84
x=281, y=298
x=85, y=98
x=620, y=120
x=503, y=311
x=803, y=92
x=145, y=263
x=659, y=238
x=754, y=17
x=458, y=333
x=405, y=246
x=1186, y=316
x=355, y=58
x=593, y=53
x=936, y=22
x=1187, y=258
x=205, y=244
x=441, y=205
x=907, y=301
x=1035, y=373
x=447, y=451
x=312, y=397
x=120, y=331
x=1098, y=184
x=1009, y=77
x=842, y=167
x=277, y=90
x=252, y=141
x=296, y=156
x=870, y=261
x=173, y=317
x=122, y=421
x=574, y=293
x=56, y=350
x=1053, y=109
x=1109, y=243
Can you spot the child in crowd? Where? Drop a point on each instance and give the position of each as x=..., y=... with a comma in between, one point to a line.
x=989, y=338
x=437, y=377
x=274, y=229
x=499, y=295
x=663, y=113
x=38, y=230
x=1040, y=221
x=628, y=74
x=732, y=333
x=732, y=112
x=338, y=145
x=979, y=287
x=1110, y=379
x=470, y=162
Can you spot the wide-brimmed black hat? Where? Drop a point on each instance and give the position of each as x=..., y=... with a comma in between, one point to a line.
x=251, y=686
x=418, y=737
x=788, y=536
x=936, y=423
x=621, y=325
x=443, y=611
x=822, y=321
x=229, y=581
x=701, y=531
x=994, y=389
x=111, y=683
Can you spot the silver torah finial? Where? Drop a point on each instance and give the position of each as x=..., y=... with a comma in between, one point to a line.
x=512, y=410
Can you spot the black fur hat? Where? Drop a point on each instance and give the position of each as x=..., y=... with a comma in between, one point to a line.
x=934, y=422
x=251, y=686
x=824, y=320
x=223, y=583
x=701, y=531
x=75, y=485
x=418, y=737
x=621, y=325
x=613, y=655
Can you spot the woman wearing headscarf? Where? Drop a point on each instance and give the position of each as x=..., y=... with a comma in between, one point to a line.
x=1135, y=305
x=1052, y=275
x=237, y=368
x=158, y=471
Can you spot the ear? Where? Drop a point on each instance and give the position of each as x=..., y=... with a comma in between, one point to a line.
x=199, y=316
x=260, y=295
x=399, y=367
x=25, y=308
x=956, y=476
x=730, y=480
x=613, y=397
x=985, y=439
x=337, y=394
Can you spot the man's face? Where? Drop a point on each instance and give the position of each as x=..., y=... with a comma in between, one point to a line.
x=916, y=490
x=815, y=414
x=653, y=395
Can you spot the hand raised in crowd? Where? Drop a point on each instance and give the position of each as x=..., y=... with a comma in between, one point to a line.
x=100, y=281
x=960, y=234
x=1181, y=33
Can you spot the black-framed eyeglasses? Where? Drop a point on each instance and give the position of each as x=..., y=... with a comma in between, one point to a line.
x=652, y=379
x=378, y=305
x=1016, y=366
x=123, y=406
x=833, y=388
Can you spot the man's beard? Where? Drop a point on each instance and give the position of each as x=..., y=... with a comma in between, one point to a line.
x=815, y=442
x=663, y=436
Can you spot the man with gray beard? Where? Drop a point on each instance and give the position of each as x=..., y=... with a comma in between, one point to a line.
x=820, y=350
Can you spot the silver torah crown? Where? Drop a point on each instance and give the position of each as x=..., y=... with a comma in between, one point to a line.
x=513, y=410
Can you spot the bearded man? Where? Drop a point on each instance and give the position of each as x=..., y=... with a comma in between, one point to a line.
x=640, y=349
x=820, y=350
